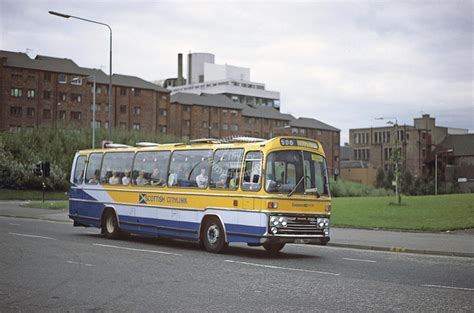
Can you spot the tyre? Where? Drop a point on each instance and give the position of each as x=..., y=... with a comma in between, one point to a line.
x=213, y=237
x=110, y=226
x=274, y=247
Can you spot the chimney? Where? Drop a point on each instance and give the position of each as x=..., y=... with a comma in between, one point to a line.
x=190, y=81
x=180, y=70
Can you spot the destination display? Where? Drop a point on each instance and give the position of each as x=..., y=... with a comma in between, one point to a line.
x=299, y=143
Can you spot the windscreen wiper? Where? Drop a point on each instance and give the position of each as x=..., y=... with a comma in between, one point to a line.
x=296, y=186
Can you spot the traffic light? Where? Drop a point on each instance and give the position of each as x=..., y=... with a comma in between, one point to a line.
x=43, y=168
x=46, y=168
x=38, y=169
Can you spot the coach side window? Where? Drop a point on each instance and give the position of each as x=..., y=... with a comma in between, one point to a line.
x=93, y=168
x=150, y=168
x=79, y=170
x=116, y=168
x=225, y=171
x=252, y=180
x=186, y=166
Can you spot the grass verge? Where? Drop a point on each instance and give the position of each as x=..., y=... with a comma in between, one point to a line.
x=12, y=194
x=55, y=205
x=419, y=213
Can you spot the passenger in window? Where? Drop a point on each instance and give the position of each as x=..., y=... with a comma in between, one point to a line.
x=174, y=178
x=222, y=182
x=156, y=179
x=141, y=180
x=115, y=179
x=234, y=182
x=126, y=178
x=80, y=178
x=201, y=179
x=94, y=179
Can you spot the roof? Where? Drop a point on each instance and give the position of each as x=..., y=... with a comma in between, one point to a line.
x=220, y=101
x=312, y=123
x=67, y=66
x=266, y=112
x=462, y=145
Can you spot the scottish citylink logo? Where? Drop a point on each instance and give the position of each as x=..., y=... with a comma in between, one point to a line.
x=142, y=198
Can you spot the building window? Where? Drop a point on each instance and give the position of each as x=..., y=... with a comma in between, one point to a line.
x=204, y=110
x=76, y=116
x=233, y=112
x=75, y=97
x=162, y=128
x=31, y=112
x=224, y=112
x=16, y=111
x=234, y=127
x=97, y=107
x=123, y=125
x=302, y=131
x=47, y=76
x=76, y=80
x=164, y=97
x=136, y=110
x=187, y=123
x=62, y=96
x=31, y=93
x=136, y=126
x=106, y=124
x=123, y=91
x=14, y=128
x=225, y=126
x=62, y=78
x=136, y=92
x=62, y=115
x=123, y=109
x=16, y=92
x=46, y=94
x=215, y=125
x=163, y=112
x=187, y=108
x=204, y=124
x=46, y=114
x=294, y=131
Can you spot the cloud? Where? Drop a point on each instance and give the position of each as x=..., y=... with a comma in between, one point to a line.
x=338, y=61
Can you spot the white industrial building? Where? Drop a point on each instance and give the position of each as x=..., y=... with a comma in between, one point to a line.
x=233, y=81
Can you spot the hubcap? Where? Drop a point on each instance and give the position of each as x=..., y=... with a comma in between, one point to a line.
x=213, y=234
x=110, y=225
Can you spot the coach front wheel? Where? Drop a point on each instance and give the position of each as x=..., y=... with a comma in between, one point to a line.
x=213, y=237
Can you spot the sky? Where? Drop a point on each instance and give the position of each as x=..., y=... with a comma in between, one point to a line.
x=344, y=63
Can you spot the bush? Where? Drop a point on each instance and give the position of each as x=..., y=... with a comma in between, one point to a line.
x=19, y=152
x=344, y=188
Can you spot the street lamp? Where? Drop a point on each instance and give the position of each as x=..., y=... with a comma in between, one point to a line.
x=110, y=62
x=436, y=168
x=93, y=110
x=397, y=191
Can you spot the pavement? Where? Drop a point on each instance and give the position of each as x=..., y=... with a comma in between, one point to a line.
x=456, y=243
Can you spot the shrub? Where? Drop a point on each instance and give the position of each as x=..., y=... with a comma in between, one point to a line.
x=344, y=188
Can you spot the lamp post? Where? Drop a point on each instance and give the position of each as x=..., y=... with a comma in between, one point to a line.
x=93, y=110
x=436, y=168
x=110, y=62
x=397, y=191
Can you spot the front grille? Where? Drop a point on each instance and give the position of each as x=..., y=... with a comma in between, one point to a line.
x=300, y=225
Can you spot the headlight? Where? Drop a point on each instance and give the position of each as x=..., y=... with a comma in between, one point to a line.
x=278, y=221
x=322, y=222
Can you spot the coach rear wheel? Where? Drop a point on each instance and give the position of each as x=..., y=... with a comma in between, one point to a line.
x=110, y=226
x=274, y=247
x=213, y=237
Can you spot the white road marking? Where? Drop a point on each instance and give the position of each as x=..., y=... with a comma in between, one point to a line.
x=448, y=287
x=360, y=260
x=14, y=224
x=281, y=268
x=32, y=236
x=79, y=263
x=133, y=249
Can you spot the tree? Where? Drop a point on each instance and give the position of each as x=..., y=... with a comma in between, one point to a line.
x=379, y=178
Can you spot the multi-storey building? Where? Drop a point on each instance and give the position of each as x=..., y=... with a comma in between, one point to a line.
x=229, y=80
x=54, y=92
x=376, y=145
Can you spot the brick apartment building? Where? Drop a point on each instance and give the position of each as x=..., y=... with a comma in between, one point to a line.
x=376, y=145
x=54, y=92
